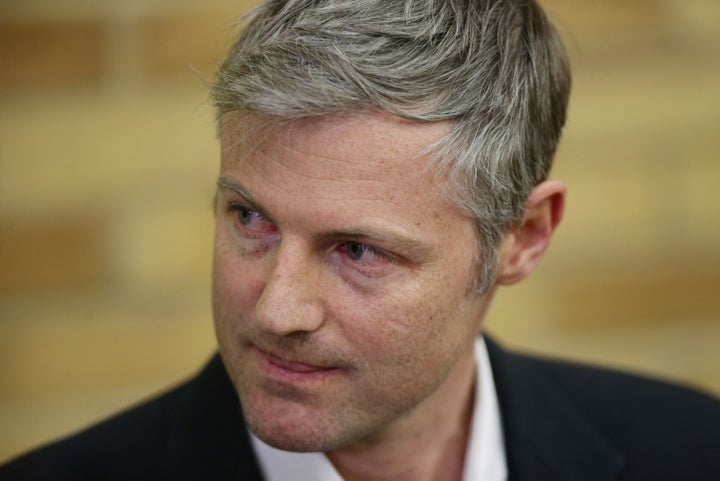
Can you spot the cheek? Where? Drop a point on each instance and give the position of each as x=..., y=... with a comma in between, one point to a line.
x=432, y=318
x=236, y=285
x=396, y=326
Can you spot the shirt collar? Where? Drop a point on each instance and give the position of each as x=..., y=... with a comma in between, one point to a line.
x=485, y=458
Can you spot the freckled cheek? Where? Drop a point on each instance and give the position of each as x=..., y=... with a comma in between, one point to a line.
x=428, y=312
x=237, y=286
x=390, y=329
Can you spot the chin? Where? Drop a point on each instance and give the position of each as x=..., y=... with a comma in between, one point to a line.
x=292, y=438
x=299, y=432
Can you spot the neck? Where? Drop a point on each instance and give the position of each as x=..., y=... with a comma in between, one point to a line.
x=427, y=445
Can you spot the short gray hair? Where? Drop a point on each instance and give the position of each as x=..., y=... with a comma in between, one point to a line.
x=495, y=69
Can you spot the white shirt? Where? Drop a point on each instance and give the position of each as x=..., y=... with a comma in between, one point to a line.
x=484, y=455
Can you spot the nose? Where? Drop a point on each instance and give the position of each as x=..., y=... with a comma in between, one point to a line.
x=290, y=301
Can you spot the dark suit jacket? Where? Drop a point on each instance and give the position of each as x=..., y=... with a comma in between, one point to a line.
x=562, y=422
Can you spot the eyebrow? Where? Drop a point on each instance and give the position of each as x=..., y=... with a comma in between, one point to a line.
x=235, y=186
x=409, y=247
x=239, y=189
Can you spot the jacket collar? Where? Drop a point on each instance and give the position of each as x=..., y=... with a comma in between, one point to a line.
x=208, y=438
x=546, y=435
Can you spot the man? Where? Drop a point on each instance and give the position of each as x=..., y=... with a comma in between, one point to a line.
x=384, y=168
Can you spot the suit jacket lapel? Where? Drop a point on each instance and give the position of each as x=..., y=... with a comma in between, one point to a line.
x=208, y=438
x=546, y=436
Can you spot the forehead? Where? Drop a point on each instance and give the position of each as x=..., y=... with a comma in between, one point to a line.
x=374, y=152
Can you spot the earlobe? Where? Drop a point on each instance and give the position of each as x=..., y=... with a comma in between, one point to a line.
x=522, y=248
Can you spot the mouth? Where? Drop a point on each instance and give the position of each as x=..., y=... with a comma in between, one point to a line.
x=290, y=370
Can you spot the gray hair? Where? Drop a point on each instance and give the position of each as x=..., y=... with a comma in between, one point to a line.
x=495, y=69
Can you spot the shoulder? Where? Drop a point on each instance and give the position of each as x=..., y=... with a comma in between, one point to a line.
x=119, y=445
x=176, y=432
x=609, y=394
x=659, y=427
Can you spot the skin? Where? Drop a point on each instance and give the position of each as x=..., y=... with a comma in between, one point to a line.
x=341, y=292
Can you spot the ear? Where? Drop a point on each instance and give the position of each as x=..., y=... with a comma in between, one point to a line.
x=523, y=247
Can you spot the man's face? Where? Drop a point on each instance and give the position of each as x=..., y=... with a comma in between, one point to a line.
x=342, y=285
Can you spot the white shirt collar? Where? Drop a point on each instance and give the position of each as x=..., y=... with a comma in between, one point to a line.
x=484, y=456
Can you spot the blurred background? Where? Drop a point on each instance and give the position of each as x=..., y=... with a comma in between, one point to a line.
x=107, y=164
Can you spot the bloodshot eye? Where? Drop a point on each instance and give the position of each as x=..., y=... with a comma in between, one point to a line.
x=363, y=254
x=245, y=215
x=356, y=250
x=251, y=221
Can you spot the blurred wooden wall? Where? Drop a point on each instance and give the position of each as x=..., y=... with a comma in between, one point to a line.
x=107, y=164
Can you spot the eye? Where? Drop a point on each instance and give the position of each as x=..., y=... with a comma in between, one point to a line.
x=245, y=215
x=356, y=250
x=251, y=221
x=364, y=254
